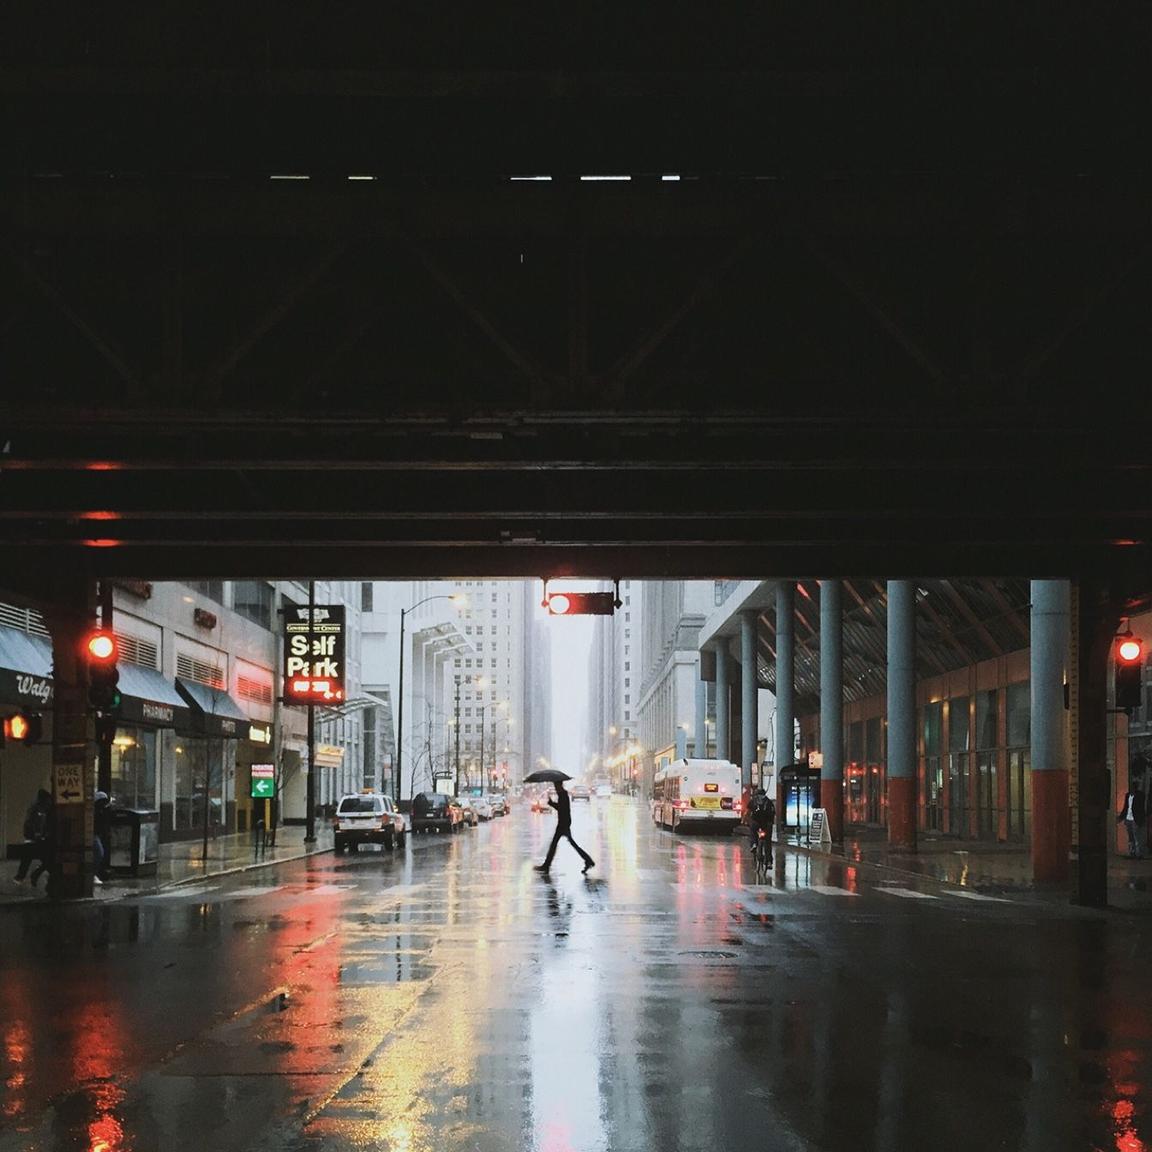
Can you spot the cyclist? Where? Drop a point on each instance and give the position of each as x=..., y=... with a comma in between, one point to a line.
x=763, y=813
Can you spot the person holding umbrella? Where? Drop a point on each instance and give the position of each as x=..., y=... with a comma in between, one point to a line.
x=563, y=806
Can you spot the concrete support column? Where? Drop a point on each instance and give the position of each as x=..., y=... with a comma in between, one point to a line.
x=832, y=705
x=902, y=715
x=721, y=700
x=70, y=618
x=785, y=679
x=748, y=685
x=1050, y=622
x=701, y=717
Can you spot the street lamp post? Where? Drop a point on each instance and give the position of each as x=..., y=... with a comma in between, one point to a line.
x=482, y=739
x=457, y=735
x=396, y=760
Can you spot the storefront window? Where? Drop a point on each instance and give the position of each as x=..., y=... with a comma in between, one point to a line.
x=1018, y=698
x=958, y=766
x=134, y=768
x=987, y=765
x=196, y=756
x=933, y=728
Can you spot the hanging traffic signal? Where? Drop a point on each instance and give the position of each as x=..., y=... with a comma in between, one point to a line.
x=1129, y=672
x=580, y=603
x=103, y=675
x=25, y=727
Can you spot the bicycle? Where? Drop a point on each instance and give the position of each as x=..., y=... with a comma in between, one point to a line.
x=762, y=851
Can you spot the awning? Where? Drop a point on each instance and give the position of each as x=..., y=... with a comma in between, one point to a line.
x=213, y=711
x=25, y=669
x=148, y=698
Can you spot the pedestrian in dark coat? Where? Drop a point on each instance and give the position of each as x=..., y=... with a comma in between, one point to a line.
x=1132, y=816
x=563, y=806
x=39, y=837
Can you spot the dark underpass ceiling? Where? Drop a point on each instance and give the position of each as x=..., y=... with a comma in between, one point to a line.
x=272, y=302
x=959, y=624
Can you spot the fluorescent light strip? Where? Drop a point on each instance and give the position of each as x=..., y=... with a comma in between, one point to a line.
x=669, y=179
x=361, y=177
x=290, y=176
x=530, y=179
x=603, y=178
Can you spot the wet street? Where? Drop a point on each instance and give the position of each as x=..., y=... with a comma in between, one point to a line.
x=450, y=998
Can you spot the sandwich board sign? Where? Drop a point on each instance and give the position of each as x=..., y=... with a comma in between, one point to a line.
x=818, y=829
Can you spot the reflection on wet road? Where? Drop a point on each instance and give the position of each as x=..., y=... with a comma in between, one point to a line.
x=450, y=998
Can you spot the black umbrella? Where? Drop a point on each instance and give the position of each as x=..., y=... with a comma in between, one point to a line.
x=546, y=776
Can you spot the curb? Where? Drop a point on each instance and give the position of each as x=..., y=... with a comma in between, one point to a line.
x=118, y=894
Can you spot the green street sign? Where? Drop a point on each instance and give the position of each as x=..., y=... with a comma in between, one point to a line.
x=263, y=782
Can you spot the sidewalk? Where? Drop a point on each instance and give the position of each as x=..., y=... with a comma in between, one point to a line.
x=181, y=862
x=990, y=869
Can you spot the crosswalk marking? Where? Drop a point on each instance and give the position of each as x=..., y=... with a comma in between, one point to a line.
x=180, y=893
x=256, y=890
x=831, y=890
x=965, y=894
x=906, y=893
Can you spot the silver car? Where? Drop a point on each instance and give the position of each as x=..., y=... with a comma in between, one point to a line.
x=368, y=817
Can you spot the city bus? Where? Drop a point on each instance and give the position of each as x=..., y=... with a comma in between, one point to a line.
x=697, y=794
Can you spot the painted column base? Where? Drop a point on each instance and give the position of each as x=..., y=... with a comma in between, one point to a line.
x=902, y=813
x=832, y=800
x=1051, y=827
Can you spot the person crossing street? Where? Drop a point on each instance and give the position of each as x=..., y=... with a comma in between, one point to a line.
x=563, y=806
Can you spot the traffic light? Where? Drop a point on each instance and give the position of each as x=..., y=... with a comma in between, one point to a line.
x=1129, y=672
x=26, y=727
x=103, y=675
x=580, y=603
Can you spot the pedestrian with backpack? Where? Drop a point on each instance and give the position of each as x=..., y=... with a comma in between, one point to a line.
x=39, y=828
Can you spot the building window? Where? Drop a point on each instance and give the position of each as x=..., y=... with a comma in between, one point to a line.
x=214, y=675
x=143, y=653
x=253, y=599
x=213, y=589
x=255, y=686
x=366, y=591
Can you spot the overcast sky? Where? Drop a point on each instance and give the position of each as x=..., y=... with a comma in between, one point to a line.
x=571, y=648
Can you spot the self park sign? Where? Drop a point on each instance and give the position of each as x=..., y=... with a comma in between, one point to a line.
x=314, y=654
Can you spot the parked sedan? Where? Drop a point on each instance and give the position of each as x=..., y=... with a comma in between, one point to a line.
x=433, y=811
x=499, y=804
x=468, y=806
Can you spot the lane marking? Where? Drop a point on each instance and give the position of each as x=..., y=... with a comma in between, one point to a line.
x=907, y=893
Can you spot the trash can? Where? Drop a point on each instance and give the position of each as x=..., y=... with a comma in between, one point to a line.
x=134, y=835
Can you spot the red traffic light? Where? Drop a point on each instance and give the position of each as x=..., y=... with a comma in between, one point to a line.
x=1130, y=650
x=102, y=648
x=1128, y=673
x=580, y=603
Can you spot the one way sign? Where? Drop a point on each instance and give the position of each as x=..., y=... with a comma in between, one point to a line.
x=69, y=783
